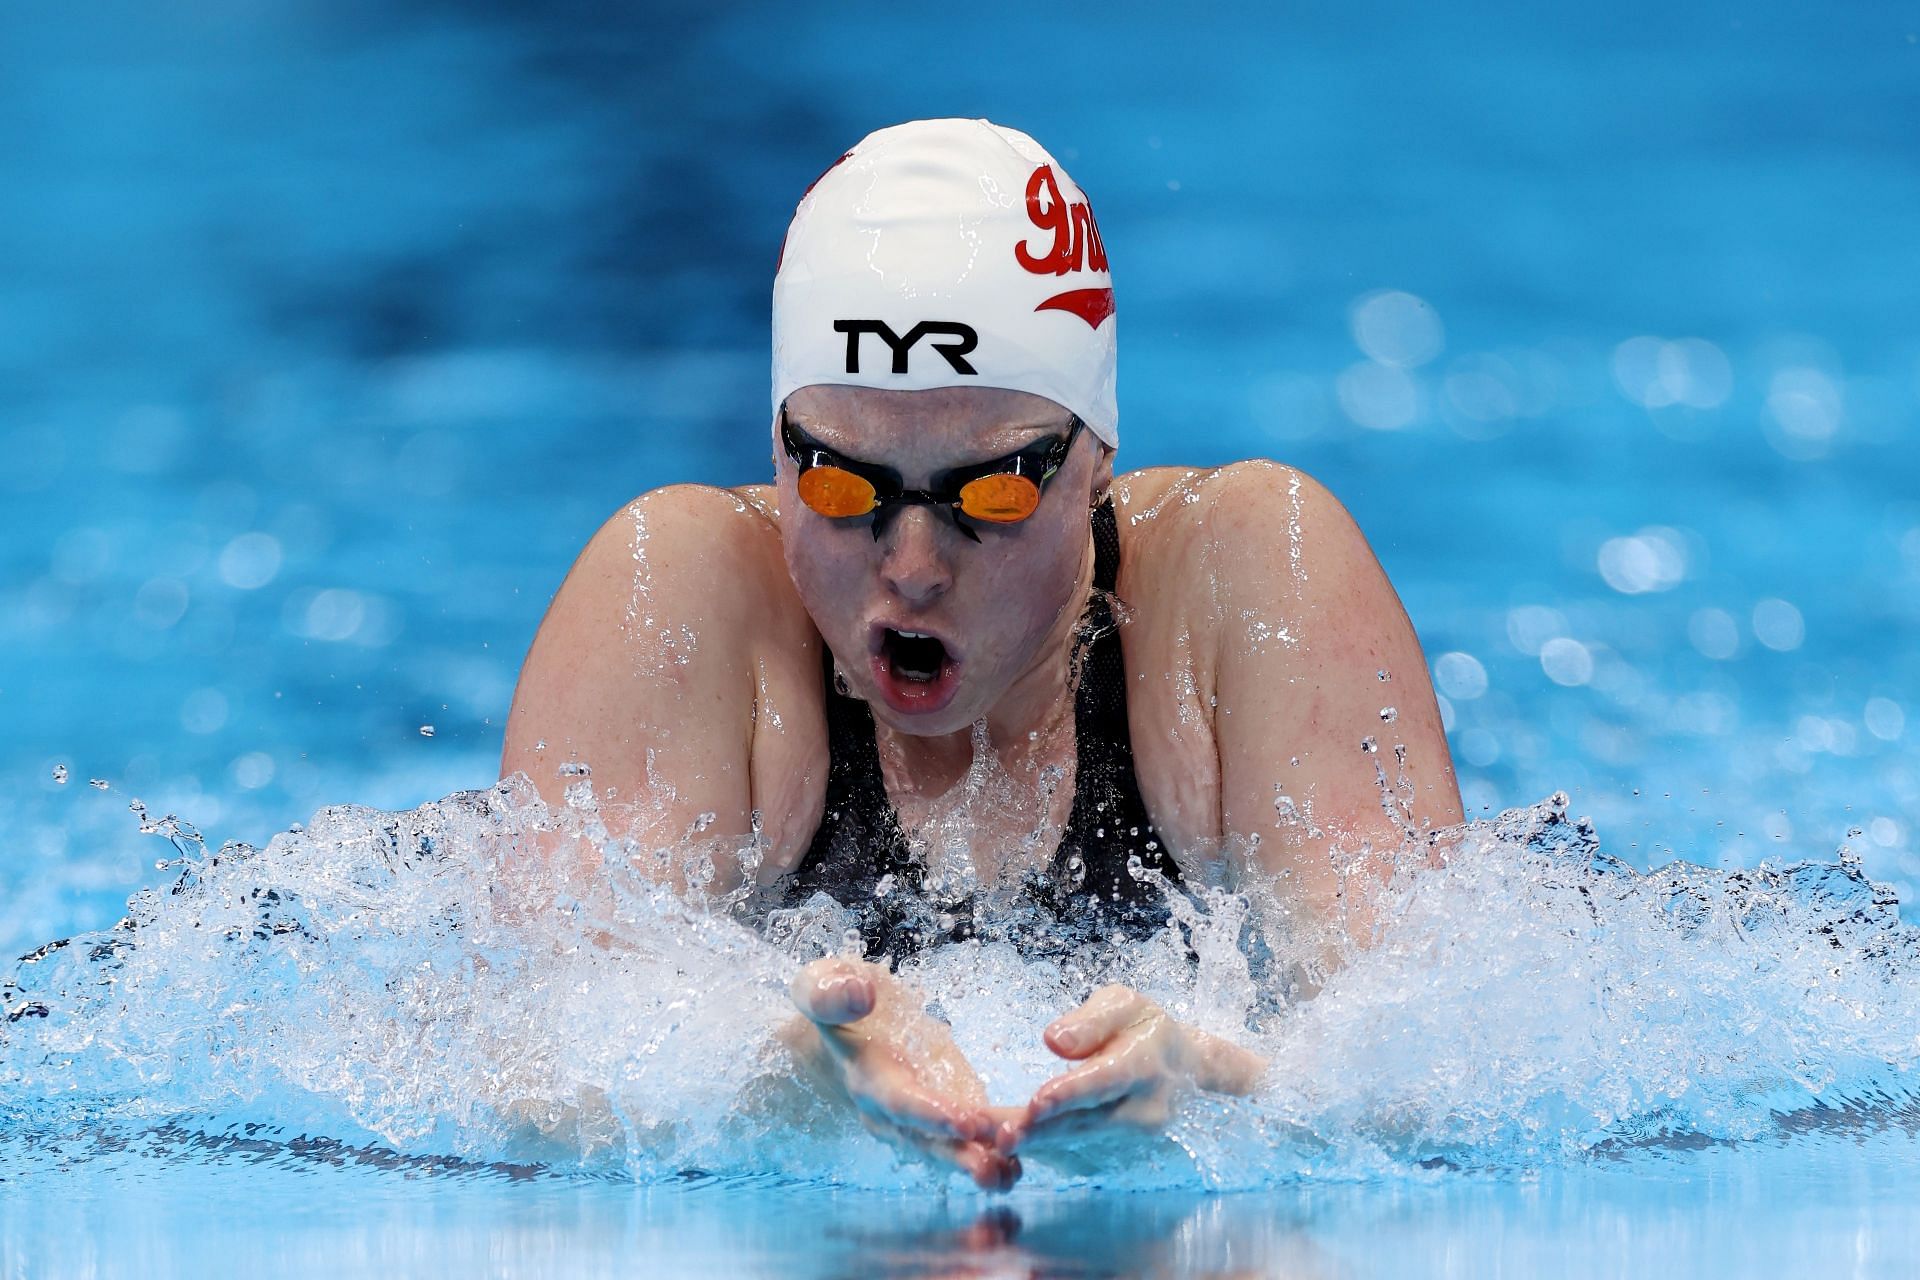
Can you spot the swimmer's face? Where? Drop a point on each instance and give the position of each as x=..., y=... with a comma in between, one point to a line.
x=998, y=607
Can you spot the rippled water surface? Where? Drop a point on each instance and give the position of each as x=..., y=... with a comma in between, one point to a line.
x=333, y=332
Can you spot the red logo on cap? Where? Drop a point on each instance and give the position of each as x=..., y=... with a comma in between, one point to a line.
x=1076, y=246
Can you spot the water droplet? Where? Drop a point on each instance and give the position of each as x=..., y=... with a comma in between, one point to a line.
x=60, y=774
x=426, y=731
x=1368, y=745
x=1295, y=762
x=574, y=769
x=98, y=784
x=1383, y=674
x=1135, y=867
x=1389, y=714
x=540, y=745
x=884, y=886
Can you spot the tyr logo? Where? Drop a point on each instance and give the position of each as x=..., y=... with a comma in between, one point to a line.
x=901, y=345
x=1076, y=238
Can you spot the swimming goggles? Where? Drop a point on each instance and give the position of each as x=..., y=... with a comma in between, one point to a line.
x=1004, y=491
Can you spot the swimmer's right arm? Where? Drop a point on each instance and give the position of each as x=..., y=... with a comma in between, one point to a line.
x=863, y=1038
x=650, y=668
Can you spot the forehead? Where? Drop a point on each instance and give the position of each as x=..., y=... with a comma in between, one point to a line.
x=972, y=422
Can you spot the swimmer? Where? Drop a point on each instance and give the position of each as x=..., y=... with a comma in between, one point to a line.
x=1167, y=667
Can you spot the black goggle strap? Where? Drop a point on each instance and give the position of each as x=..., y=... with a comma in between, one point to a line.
x=808, y=453
x=1038, y=462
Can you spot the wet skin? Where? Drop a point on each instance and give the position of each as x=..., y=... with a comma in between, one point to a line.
x=681, y=659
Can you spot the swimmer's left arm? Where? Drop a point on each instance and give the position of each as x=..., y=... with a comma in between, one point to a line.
x=1133, y=1060
x=1332, y=755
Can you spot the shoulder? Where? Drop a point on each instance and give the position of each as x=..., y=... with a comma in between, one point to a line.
x=682, y=593
x=1251, y=526
x=683, y=532
x=675, y=628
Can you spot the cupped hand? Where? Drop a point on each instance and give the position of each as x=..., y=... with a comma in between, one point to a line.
x=867, y=1037
x=1134, y=1060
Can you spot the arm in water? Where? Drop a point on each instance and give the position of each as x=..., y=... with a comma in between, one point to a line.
x=1333, y=769
x=863, y=1037
x=1134, y=1060
x=677, y=663
x=673, y=664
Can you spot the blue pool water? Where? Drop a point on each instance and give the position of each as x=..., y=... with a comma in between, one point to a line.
x=332, y=331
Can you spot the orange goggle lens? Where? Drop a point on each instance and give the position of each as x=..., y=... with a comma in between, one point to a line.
x=1002, y=498
x=834, y=492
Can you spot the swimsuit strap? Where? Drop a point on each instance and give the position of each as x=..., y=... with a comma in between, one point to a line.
x=860, y=841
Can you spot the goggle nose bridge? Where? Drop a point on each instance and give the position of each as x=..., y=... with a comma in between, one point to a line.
x=885, y=507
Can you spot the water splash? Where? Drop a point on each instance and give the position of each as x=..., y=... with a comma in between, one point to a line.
x=490, y=979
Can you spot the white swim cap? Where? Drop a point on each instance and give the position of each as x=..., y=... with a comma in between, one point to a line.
x=943, y=253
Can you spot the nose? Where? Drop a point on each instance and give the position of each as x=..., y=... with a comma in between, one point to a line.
x=911, y=559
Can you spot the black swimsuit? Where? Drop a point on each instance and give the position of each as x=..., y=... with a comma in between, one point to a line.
x=861, y=858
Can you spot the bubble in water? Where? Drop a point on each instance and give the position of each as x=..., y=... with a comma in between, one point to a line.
x=1582, y=1006
x=60, y=774
x=884, y=886
x=426, y=731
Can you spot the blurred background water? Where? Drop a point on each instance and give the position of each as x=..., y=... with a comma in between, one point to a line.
x=329, y=332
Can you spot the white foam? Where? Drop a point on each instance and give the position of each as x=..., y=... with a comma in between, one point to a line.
x=432, y=978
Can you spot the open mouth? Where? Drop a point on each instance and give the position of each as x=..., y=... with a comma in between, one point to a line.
x=914, y=656
x=916, y=671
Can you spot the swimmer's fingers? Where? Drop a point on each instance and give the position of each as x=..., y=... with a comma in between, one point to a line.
x=1106, y=1013
x=1089, y=1088
x=990, y=1168
x=833, y=992
x=916, y=1110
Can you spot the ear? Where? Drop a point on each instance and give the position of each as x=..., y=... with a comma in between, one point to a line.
x=1102, y=479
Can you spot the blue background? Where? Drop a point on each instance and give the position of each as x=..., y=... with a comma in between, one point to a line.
x=330, y=332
